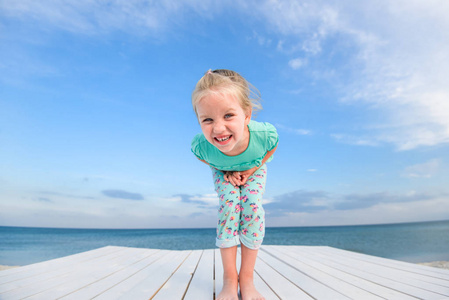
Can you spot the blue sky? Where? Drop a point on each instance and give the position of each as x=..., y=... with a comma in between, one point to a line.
x=96, y=120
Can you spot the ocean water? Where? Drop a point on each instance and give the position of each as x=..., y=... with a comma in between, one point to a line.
x=412, y=242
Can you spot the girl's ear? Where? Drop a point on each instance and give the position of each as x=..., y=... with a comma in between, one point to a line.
x=248, y=114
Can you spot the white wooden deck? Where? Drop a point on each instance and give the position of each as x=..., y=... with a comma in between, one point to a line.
x=282, y=272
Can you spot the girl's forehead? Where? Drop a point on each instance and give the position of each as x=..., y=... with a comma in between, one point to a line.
x=220, y=99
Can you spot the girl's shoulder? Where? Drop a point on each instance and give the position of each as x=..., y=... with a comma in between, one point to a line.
x=199, y=143
x=260, y=125
x=266, y=127
x=264, y=134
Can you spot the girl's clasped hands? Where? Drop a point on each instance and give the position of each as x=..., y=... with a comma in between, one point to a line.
x=238, y=178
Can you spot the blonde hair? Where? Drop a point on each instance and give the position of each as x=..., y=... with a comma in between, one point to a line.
x=227, y=82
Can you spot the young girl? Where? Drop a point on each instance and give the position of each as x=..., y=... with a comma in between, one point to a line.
x=236, y=148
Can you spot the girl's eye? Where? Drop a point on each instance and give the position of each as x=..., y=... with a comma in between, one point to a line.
x=207, y=120
x=227, y=116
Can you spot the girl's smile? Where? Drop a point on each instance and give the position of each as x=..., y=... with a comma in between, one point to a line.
x=224, y=123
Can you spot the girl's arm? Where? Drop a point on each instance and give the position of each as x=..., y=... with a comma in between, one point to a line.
x=240, y=178
x=203, y=161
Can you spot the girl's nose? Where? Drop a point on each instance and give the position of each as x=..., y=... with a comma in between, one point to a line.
x=219, y=127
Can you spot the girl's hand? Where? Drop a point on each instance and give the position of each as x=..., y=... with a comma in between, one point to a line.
x=238, y=178
x=233, y=177
x=244, y=175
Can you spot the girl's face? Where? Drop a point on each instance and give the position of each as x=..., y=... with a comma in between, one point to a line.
x=224, y=123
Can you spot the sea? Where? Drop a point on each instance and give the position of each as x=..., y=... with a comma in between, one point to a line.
x=410, y=242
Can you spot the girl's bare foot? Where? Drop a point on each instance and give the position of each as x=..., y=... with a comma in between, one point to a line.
x=248, y=290
x=230, y=288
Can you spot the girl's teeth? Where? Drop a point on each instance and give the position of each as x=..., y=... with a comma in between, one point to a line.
x=223, y=139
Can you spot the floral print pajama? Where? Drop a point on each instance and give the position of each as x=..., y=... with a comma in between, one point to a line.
x=241, y=217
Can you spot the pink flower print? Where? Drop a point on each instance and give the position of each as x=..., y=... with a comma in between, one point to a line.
x=221, y=209
x=217, y=181
x=220, y=236
x=244, y=199
x=255, y=234
x=247, y=217
x=261, y=227
x=259, y=176
x=236, y=224
x=223, y=223
x=238, y=208
x=257, y=219
x=254, y=206
x=251, y=179
x=226, y=214
x=241, y=223
x=229, y=203
x=260, y=186
x=232, y=192
x=232, y=218
x=253, y=192
x=225, y=182
x=245, y=231
x=222, y=197
x=246, y=185
x=235, y=232
x=228, y=230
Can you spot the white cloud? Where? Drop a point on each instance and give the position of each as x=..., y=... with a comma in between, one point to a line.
x=294, y=130
x=297, y=63
x=96, y=16
x=356, y=140
x=423, y=209
x=398, y=63
x=261, y=40
x=54, y=209
x=424, y=170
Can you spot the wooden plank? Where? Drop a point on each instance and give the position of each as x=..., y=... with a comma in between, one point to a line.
x=405, y=266
x=263, y=288
x=96, y=288
x=218, y=272
x=413, y=279
x=176, y=286
x=334, y=283
x=284, y=288
x=38, y=269
x=147, y=288
x=37, y=281
x=373, y=277
x=282, y=272
x=92, y=273
x=150, y=271
x=386, y=293
x=56, y=284
x=202, y=284
x=310, y=285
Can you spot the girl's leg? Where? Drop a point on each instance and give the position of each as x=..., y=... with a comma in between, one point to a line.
x=252, y=228
x=227, y=233
x=230, y=275
x=246, y=274
x=252, y=220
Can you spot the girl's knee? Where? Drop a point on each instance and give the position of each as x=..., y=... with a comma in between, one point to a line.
x=251, y=242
